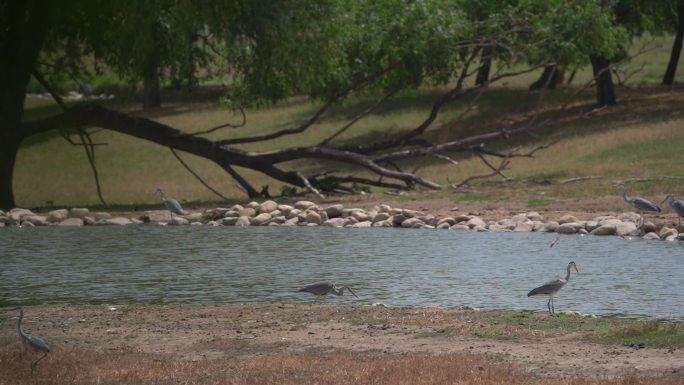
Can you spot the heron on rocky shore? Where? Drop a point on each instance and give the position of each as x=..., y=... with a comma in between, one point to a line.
x=171, y=204
x=677, y=205
x=36, y=343
x=321, y=289
x=552, y=287
x=638, y=203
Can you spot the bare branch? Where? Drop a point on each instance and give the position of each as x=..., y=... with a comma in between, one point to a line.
x=199, y=178
x=210, y=130
x=309, y=186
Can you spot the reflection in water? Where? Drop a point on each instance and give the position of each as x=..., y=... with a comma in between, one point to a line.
x=392, y=266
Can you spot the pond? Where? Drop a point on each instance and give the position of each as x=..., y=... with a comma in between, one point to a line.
x=203, y=264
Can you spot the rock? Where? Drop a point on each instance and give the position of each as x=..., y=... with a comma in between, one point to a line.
x=363, y=224
x=629, y=217
x=444, y=226
x=361, y=216
x=385, y=209
x=36, y=220
x=304, y=205
x=232, y=214
x=459, y=226
x=448, y=220
x=268, y=206
x=671, y=238
x=71, y=222
x=385, y=223
x=247, y=212
x=193, y=217
x=550, y=227
x=591, y=225
x=335, y=222
x=122, y=221
x=334, y=211
x=252, y=204
x=260, y=219
x=625, y=228
x=136, y=221
x=569, y=227
x=535, y=216
x=651, y=236
x=468, y=308
x=412, y=223
x=524, y=227
x=2, y=224
x=462, y=218
x=381, y=216
x=666, y=232
x=4, y=220
x=538, y=226
x=56, y=216
x=78, y=212
x=508, y=224
x=519, y=218
x=16, y=214
x=236, y=208
x=285, y=209
x=279, y=220
x=480, y=228
x=313, y=217
x=398, y=219
x=89, y=221
x=229, y=221
x=602, y=218
x=28, y=224
x=607, y=229
x=475, y=222
x=395, y=211
x=648, y=227
x=176, y=221
x=101, y=216
x=293, y=213
x=157, y=216
x=213, y=223
x=291, y=221
x=324, y=216
x=242, y=221
x=195, y=223
x=567, y=219
x=215, y=214
x=583, y=231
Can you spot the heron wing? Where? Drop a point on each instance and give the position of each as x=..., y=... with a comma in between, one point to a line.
x=38, y=343
x=678, y=206
x=318, y=288
x=644, y=204
x=174, y=206
x=549, y=287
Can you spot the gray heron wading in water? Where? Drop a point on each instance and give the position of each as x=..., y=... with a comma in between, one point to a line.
x=321, y=289
x=171, y=204
x=677, y=205
x=552, y=287
x=36, y=343
x=638, y=203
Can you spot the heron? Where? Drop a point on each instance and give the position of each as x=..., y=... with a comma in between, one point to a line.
x=171, y=204
x=552, y=287
x=677, y=205
x=638, y=203
x=553, y=243
x=35, y=342
x=321, y=289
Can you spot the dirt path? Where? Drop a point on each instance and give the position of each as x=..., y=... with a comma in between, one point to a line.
x=221, y=331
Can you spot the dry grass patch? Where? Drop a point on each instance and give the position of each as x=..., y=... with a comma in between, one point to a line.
x=86, y=367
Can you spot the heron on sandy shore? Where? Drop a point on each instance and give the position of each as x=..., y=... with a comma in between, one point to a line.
x=552, y=287
x=36, y=343
x=638, y=203
x=321, y=289
x=171, y=204
x=677, y=205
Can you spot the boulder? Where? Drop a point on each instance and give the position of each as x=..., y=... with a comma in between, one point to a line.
x=268, y=206
x=242, y=221
x=313, y=217
x=671, y=238
x=459, y=226
x=629, y=217
x=293, y=213
x=178, y=221
x=214, y=214
x=236, y=208
x=101, y=216
x=335, y=222
x=524, y=227
x=381, y=216
x=398, y=219
x=567, y=219
x=363, y=224
x=651, y=236
x=291, y=221
x=385, y=209
x=361, y=216
x=508, y=223
x=122, y=221
x=4, y=219
x=444, y=226
x=304, y=205
x=448, y=220
x=157, y=216
x=607, y=229
x=232, y=214
x=569, y=227
x=16, y=214
x=550, y=227
x=260, y=219
x=535, y=216
x=648, y=227
x=28, y=224
x=475, y=222
x=625, y=228
x=247, y=212
x=334, y=211
x=253, y=204
x=385, y=223
x=462, y=218
x=230, y=221
x=666, y=232
x=591, y=225
x=395, y=211
x=36, y=220
x=71, y=222
x=194, y=217
x=78, y=212
x=56, y=216
x=279, y=220
x=522, y=217
x=412, y=223
x=493, y=227
x=285, y=209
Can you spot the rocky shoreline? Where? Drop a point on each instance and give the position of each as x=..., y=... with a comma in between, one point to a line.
x=307, y=213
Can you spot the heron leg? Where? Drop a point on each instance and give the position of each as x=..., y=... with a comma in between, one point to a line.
x=548, y=304
x=35, y=363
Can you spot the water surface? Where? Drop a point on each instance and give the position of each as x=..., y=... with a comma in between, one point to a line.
x=202, y=264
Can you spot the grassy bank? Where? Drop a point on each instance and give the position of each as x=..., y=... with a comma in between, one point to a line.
x=638, y=138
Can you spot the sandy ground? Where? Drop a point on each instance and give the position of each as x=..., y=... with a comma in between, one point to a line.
x=199, y=332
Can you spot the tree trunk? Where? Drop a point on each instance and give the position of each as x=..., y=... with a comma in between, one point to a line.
x=23, y=37
x=548, y=79
x=151, y=88
x=669, y=77
x=485, y=66
x=605, y=91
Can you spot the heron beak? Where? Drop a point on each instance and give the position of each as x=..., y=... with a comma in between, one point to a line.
x=352, y=291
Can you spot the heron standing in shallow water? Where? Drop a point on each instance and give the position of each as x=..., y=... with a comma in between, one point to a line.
x=552, y=287
x=321, y=289
x=677, y=205
x=638, y=203
x=35, y=342
x=171, y=204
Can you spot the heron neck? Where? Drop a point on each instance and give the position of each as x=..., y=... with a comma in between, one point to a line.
x=567, y=276
x=624, y=195
x=339, y=291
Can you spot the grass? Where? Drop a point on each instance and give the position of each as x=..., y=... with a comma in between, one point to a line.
x=80, y=367
x=653, y=334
